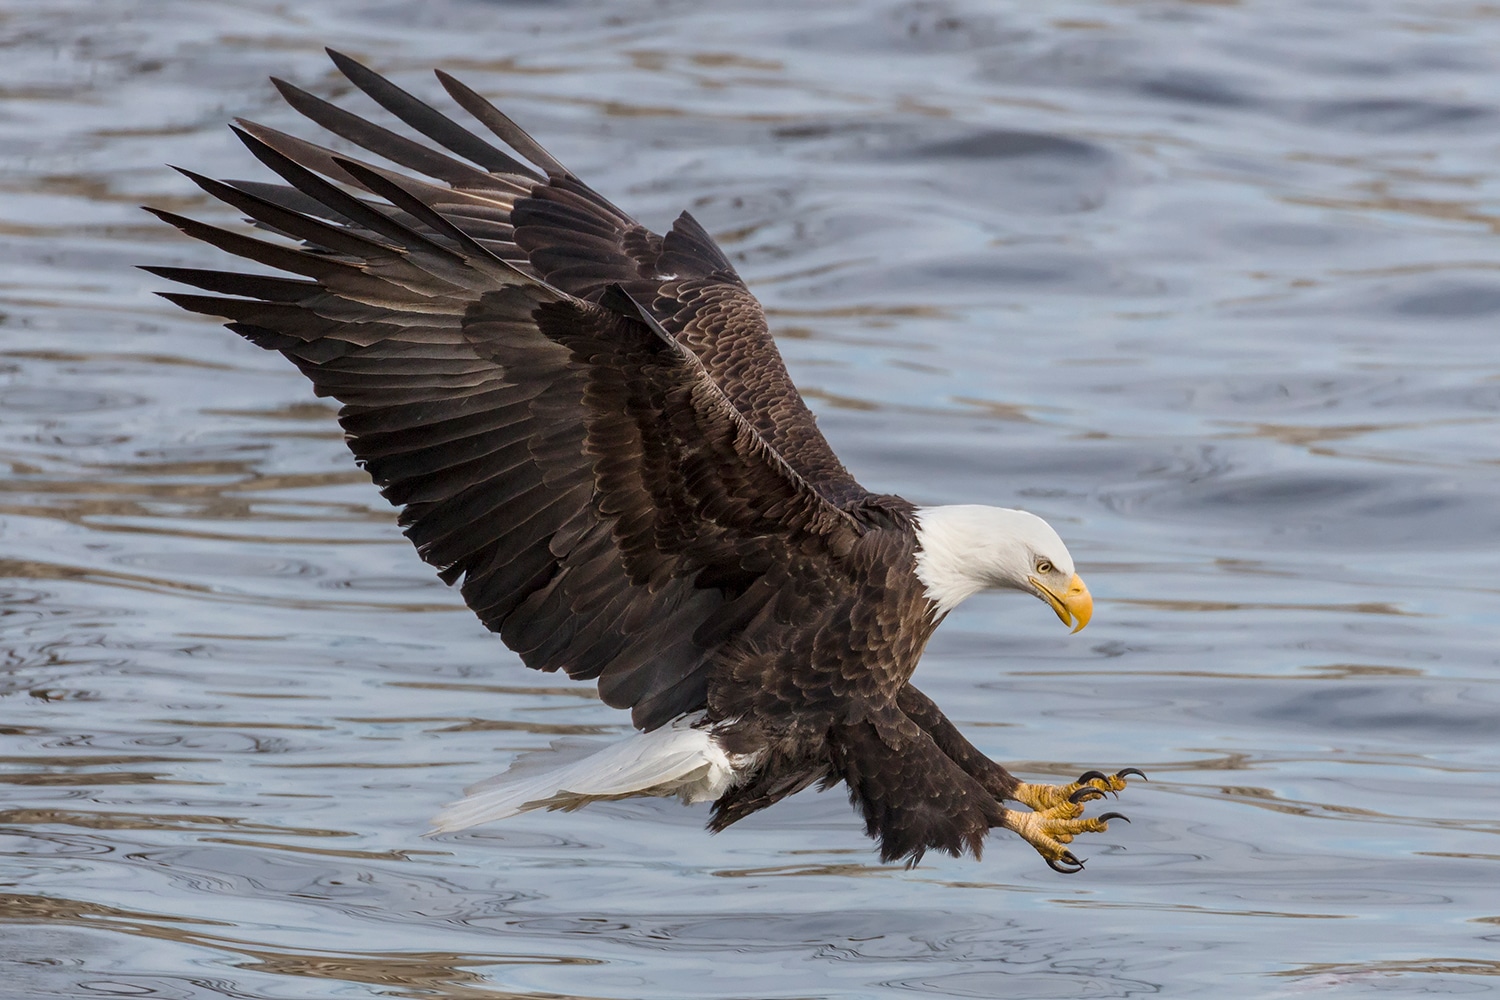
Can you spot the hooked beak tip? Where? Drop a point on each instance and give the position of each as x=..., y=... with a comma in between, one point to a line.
x=1074, y=607
x=1079, y=602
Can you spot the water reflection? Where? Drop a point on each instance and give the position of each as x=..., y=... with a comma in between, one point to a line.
x=1208, y=285
x=407, y=974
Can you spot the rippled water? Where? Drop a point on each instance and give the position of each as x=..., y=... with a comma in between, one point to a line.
x=1210, y=285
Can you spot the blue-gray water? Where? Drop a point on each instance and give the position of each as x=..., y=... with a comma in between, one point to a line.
x=1212, y=286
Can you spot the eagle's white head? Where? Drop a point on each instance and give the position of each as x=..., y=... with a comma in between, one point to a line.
x=968, y=548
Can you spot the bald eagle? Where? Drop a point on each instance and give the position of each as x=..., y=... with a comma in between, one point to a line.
x=589, y=426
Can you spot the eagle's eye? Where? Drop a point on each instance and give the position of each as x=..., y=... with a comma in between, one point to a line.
x=1043, y=566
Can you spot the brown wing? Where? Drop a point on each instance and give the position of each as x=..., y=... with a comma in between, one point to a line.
x=608, y=509
x=553, y=226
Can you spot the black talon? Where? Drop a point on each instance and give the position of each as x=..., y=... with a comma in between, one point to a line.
x=1066, y=859
x=1087, y=776
x=1087, y=793
x=1132, y=770
x=1112, y=815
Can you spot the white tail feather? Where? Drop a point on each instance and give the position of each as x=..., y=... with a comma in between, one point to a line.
x=676, y=759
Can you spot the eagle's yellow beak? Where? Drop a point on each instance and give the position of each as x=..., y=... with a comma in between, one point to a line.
x=1075, y=605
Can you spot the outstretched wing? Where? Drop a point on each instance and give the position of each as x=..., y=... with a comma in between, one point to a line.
x=553, y=226
x=609, y=510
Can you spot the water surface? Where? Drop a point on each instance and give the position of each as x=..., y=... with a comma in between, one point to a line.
x=1211, y=286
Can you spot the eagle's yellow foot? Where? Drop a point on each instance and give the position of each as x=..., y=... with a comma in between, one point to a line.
x=1090, y=785
x=1049, y=830
x=1057, y=814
